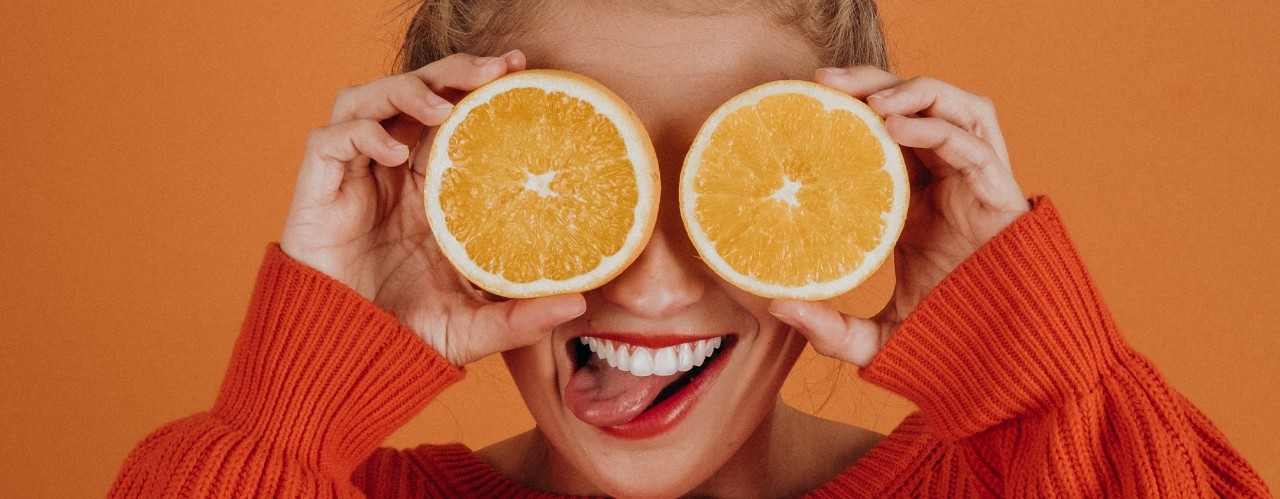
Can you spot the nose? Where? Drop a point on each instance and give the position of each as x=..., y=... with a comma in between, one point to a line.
x=663, y=280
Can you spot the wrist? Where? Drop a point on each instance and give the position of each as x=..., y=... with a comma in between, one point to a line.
x=326, y=260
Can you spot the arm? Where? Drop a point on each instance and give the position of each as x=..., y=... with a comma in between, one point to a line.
x=1015, y=359
x=324, y=370
x=997, y=332
x=318, y=378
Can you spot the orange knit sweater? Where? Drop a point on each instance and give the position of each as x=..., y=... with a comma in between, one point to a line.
x=1025, y=388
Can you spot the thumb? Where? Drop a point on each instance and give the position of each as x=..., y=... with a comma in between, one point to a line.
x=852, y=339
x=522, y=322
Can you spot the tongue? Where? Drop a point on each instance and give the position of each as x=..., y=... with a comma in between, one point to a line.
x=605, y=396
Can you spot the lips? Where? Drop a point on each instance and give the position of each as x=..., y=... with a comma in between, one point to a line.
x=638, y=386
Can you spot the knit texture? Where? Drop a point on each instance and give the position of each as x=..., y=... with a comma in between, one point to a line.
x=1024, y=385
x=318, y=379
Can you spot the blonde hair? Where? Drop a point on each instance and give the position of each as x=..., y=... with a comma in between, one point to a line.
x=845, y=32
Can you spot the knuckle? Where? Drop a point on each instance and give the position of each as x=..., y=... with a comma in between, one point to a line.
x=343, y=102
x=405, y=81
x=398, y=86
x=458, y=57
x=984, y=111
x=319, y=142
x=865, y=69
x=315, y=137
x=432, y=71
x=364, y=127
x=924, y=81
x=344, y=94
x=983, y=105
x=980, y=156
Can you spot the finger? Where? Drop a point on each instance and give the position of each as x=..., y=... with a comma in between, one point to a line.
x=917, y=174
x=512, y=324
x=388, y=97
x=335, y=151
x=406, y=130
x=930, y=97
x=351, y=140
x=858, y=81
x=958, y=151
x=467, y=72
x=851, y=339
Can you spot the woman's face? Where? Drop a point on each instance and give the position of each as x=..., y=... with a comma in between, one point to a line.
x=607, y=429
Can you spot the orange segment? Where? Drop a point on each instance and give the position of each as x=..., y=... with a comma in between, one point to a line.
x=794, y=190
x=542, y=182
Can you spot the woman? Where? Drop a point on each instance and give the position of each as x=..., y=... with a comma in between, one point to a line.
x=995, y=330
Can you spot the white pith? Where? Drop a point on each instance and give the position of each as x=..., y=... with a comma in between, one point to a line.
x=831, y=100
x=639, y=152
x=645, y=361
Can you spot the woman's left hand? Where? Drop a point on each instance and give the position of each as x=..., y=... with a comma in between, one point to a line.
x=963, y=194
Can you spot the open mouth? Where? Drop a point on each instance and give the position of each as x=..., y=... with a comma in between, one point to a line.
x=636, y=386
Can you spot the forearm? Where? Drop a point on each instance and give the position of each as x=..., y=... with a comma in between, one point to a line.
x=319, y=377
x=1015, y=358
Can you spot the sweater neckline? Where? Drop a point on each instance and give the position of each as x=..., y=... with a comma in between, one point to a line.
x=869, y=476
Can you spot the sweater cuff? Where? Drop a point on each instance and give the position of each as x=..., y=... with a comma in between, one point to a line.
x=1017, y=328
x=321, y=371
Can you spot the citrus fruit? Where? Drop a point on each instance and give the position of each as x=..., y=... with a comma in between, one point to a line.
x=794, y=190
x=541, y=182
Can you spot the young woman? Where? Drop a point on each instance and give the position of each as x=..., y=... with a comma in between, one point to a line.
x=995, y=331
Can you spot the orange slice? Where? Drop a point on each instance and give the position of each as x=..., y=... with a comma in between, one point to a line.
x=794, y=190
x=541, y=182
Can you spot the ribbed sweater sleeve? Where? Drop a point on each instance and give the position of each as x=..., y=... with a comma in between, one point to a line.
x=318, y=378
x=1021, y=374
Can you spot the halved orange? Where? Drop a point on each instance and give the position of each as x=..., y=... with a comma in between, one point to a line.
x=794, y=190
x=541, y=182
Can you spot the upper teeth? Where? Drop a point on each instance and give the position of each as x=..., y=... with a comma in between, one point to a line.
x=644, y=361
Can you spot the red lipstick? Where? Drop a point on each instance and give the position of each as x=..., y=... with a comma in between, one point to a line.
x=665, y=415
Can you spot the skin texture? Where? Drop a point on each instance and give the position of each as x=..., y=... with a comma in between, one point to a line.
x=363, y=223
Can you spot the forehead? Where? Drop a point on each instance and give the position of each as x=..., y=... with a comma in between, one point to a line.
x=673, y=69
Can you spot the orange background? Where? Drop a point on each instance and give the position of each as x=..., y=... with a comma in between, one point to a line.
x=151, y=145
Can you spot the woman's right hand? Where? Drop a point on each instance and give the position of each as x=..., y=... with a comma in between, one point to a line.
x=358, y=215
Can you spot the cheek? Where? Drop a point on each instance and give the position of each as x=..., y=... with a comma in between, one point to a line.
x=777, y=344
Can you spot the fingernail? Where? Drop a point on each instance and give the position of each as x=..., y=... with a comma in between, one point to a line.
x=835, y=71
x=485, y=60
x=509, y=54
x=781, y=316
x=575, y=311
x=435, y=102
x=397, y=147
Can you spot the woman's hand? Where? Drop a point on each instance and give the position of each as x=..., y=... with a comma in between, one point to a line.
x=358, y=214
x=963, y=194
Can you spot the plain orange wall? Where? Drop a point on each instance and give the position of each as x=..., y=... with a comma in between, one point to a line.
x=150, y=149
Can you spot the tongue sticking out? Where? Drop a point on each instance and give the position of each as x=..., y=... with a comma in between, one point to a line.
x=600, y=395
